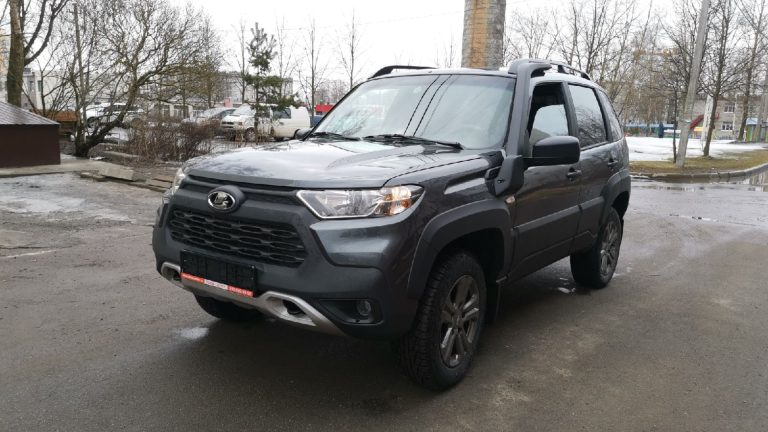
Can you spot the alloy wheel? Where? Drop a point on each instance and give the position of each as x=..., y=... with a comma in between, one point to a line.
x=609, y=249
x=460, y=319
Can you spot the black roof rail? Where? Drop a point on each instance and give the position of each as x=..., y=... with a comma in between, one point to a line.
x=386, y=70
x=547, y=64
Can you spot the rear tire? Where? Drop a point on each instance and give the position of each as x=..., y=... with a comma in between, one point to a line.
x=225, y=310
x=438, y=351
x=594, y=267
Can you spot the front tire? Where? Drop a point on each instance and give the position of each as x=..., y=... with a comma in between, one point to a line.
x=250, y=135
x=438, y=351
x=594, y=267
x=225, y=310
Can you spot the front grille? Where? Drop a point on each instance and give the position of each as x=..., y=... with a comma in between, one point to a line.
x=259, y=241
x=270, y=194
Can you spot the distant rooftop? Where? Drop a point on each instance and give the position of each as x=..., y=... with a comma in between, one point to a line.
x=13, y=115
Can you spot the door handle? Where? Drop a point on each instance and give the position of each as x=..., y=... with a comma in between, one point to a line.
x=612, y=163
x=573, y=174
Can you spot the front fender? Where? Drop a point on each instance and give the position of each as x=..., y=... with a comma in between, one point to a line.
x=454, y=224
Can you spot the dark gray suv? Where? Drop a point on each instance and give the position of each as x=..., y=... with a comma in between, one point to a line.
x=403, y=213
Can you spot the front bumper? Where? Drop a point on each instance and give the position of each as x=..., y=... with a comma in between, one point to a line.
x=346, y=260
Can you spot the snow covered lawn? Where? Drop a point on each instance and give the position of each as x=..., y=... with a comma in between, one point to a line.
x=659, y=149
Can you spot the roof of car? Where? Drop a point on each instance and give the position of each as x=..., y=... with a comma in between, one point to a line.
x=552, y=74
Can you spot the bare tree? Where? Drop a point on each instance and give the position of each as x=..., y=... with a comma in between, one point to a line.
x=529, y=35
x=123, y=50
x=348, y=46
x=243, y=65
x=284, y=65
x=592, y=31
x=31, y=28
x=724, y=62
x=314, y=76
x=55, y=95
x=448, y=56
x=754, y=13
x=206, y=66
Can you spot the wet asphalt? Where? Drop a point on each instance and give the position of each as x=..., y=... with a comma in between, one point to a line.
x=92, y=339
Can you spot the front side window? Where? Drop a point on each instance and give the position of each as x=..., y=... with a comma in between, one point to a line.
x=472, y=110
x=547, y=117
x=283, y=114
x=589, y=116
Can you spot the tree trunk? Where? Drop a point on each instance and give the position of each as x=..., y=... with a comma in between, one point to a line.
x=748, y=89
x=761, y=112
x=712, y=118
x=15, y=77
x=674, y=133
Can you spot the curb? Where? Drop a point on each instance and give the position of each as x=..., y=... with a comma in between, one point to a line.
x=712, y=176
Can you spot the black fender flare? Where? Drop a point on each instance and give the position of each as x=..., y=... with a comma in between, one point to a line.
x=619, y=183
x=451, y=225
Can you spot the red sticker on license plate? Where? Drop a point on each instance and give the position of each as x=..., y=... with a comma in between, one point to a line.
x=230, y=288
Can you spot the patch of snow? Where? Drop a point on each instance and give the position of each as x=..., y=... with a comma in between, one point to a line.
x=659, y=149
x=41, y=195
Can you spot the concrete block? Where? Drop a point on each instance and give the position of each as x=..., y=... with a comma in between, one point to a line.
x=118, y=172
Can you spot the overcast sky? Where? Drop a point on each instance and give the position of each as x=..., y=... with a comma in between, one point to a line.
x=393, y=31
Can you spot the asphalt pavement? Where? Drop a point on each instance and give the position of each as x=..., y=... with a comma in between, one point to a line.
x=93, y=339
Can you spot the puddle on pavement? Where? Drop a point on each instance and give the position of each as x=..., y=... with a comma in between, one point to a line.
x=755, y=183
x=192, y=333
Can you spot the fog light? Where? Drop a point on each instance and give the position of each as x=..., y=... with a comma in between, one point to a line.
x=364, y=308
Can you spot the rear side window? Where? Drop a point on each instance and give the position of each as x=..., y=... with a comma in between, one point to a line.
x=614, y=125
x=588, y=115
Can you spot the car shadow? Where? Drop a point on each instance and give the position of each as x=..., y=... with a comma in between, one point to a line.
x=267, y=364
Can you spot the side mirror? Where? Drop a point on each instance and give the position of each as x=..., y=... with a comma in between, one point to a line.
x=302, y=133
x=556, y=150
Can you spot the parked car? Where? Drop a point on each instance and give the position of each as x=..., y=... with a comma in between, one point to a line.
x=211, y=117
x=242, y=122
x=105, y=113
x=288, y=121
x=403, y=214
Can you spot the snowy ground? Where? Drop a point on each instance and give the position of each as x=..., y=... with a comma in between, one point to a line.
x=657, y=149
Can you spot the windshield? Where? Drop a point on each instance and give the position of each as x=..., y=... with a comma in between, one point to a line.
x=469, y=109
x=244, y=109
x=210, y=112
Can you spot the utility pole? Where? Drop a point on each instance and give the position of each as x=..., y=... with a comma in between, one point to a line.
x=693, y=83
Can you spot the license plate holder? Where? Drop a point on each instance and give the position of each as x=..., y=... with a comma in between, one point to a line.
x=237, y=278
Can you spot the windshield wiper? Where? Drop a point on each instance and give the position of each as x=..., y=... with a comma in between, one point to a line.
x=412, y=138
x=333, y=135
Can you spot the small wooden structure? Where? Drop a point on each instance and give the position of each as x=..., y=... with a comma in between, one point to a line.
x=27, y=139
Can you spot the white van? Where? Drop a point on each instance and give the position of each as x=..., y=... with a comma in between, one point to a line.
x=288, y=121
x=279, y=124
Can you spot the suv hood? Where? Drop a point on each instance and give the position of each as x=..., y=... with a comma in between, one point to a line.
x=234, y=118
x=326, y=164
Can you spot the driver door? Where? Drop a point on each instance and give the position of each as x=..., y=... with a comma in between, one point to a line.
x=547, y=206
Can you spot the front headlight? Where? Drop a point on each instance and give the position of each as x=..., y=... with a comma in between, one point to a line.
x=336, y=204
x=180, y=176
